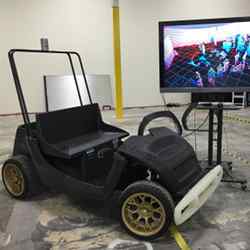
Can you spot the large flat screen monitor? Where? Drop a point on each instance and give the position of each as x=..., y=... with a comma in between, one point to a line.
x=210, y=55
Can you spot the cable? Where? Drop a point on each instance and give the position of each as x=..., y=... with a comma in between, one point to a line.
x=173, y=104
x=185, y=116
x=195, y=135
x=194, y=130
x=164, y=102
x=199, y=127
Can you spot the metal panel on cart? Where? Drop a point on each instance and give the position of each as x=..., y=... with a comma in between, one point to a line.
x=61, y=93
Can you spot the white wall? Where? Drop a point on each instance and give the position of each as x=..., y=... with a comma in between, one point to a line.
x=86, y=26
x=139, y=25
x=82, y=25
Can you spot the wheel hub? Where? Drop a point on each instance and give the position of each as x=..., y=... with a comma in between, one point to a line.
x=13, y=179
x=143, y=214
x=145, y=211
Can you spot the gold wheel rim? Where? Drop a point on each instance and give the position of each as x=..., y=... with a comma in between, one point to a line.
x=143, y=214
x=13, y=179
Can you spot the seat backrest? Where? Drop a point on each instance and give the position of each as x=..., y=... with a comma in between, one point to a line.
x=61, y=125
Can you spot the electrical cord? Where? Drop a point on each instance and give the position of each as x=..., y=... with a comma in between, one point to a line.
x=167, y=105
x=164, y=102
x=187, y=112
x=196, y=129
x=195, y=134
x=199, y=127
x=193, y=130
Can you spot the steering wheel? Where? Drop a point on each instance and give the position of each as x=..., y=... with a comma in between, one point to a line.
x=160, y=114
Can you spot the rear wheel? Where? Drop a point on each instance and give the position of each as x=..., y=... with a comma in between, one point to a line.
x=19, y=177
x=146, y=210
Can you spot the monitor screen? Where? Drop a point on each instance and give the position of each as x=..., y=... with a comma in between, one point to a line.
x=205, y=55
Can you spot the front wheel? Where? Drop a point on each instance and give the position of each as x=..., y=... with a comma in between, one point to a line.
x=146, y=210
x=19, y=177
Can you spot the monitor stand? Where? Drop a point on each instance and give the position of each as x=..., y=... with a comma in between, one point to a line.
x=217, y=110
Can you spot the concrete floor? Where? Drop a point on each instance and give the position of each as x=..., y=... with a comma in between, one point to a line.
x=53, y=221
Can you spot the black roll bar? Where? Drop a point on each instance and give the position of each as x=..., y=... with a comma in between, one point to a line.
x=18, y=86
